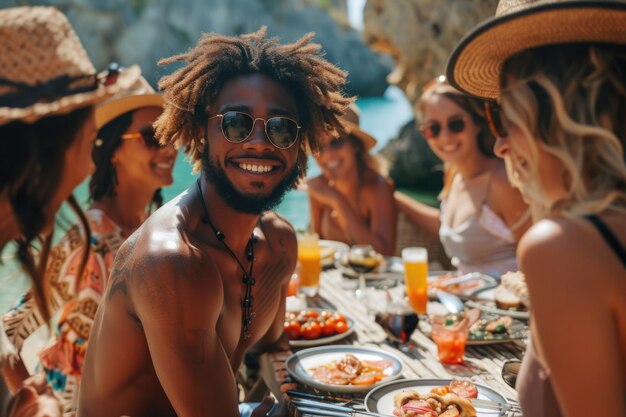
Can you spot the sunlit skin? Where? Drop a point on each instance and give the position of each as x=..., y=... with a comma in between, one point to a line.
x=140, y=171
x=565, y=258
x=515, y=151
x=461, y=153
x=348, y=206
x=174, y=295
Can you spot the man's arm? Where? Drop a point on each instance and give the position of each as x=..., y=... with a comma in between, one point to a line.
x=178, y=300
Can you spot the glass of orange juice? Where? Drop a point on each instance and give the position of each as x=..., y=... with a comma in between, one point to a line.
x=415, y=261
x=451, y=338
x=309, y=256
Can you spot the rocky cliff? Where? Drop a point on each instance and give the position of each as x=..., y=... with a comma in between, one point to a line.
x=419, y=35
x=143, y=31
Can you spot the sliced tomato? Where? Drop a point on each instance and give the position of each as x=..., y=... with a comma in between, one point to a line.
x=464, y=388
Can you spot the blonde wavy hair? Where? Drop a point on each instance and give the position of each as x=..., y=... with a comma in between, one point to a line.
x=570, y=101
x=300, y=66
x=473, y=106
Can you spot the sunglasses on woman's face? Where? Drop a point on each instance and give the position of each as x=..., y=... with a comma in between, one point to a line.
x=147, y=134
x=237, y=127
x=332, y=145
x=433, y=130
x=494, y=119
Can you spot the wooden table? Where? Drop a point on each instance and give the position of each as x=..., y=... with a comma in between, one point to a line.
x=483, y=363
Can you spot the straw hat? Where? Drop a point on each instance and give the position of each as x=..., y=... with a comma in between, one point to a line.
x=476, y=63
x=44, y=69
x=139, y=95
x=351, y=122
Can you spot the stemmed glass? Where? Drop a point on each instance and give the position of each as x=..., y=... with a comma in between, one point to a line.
x=398, y=320
x=362, y=259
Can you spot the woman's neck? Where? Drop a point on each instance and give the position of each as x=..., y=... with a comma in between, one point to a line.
x=9, y=228
x=473, y=167
x=128, y=209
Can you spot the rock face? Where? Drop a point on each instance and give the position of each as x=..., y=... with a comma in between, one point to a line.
x=419, y=35
x=144, y=31
x=414, y=165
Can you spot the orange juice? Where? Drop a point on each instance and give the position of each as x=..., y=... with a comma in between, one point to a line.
x=416, y=277
x=309, y=257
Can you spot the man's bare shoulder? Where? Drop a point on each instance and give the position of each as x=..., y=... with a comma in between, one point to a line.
x=164, y=252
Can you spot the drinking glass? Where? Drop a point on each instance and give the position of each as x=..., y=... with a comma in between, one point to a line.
x=450, y=338
x=310, y=263
x=362, y=259
x=415, y=262
x=399, y=322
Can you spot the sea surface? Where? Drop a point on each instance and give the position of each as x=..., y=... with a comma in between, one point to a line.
x=382, y=117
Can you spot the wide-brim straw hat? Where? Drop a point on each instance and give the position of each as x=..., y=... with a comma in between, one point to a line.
x=44, y=69
x=139, y=95
x=351, y=119
x=476, y=63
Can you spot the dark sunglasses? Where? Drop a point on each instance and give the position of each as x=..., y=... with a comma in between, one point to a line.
x=147, y=134
x=282, y=132
x=494, y=119
x=333, y=145
x=432, y=130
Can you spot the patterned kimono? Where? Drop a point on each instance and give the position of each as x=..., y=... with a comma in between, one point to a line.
x=77, y=299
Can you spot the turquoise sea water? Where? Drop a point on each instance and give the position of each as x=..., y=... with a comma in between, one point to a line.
x=380, y=116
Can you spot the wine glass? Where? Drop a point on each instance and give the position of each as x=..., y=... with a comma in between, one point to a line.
x=362, y=259
x=399, y=321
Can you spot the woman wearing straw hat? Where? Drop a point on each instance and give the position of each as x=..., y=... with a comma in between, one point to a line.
x=352, y=201
x=48, y=87
x=131, y=168
x=482, y=216
x=557, y=70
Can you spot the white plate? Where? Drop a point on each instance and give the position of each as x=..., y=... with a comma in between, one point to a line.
x=380, y=399
x=390, y=268
x=337, y=248
x=299, y=364
x=487, y=303
x=324, y=340
x=518, y=330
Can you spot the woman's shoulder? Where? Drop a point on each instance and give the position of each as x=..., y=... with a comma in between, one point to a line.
x=375, y=183
x=564, y=244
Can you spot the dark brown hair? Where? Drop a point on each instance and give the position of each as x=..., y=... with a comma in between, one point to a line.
x=31, y=168
x=103, y=182
x=300, y=66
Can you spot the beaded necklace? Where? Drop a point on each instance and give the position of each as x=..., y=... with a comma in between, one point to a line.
x=246, y=302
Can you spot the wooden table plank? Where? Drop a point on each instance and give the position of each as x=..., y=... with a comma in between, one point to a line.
x=483, y=363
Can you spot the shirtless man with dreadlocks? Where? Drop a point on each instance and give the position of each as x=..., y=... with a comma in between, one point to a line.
x=203, y=281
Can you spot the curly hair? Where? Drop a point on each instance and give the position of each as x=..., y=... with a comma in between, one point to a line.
x=189, y=92
x=570, y=102
x=474, y=107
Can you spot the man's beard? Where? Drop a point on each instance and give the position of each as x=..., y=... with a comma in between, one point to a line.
x=249, y=204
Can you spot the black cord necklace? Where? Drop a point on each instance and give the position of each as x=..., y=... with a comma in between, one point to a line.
x=246, y=302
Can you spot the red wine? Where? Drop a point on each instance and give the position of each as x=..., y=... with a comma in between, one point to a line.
x=398, y=326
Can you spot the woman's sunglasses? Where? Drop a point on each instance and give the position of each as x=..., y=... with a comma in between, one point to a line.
x=432, y=130
x=332, y=145
x=147, y=134
x=494, y=119
x=282, y=132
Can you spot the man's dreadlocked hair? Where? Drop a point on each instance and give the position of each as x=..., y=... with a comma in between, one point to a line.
x=316, y=84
